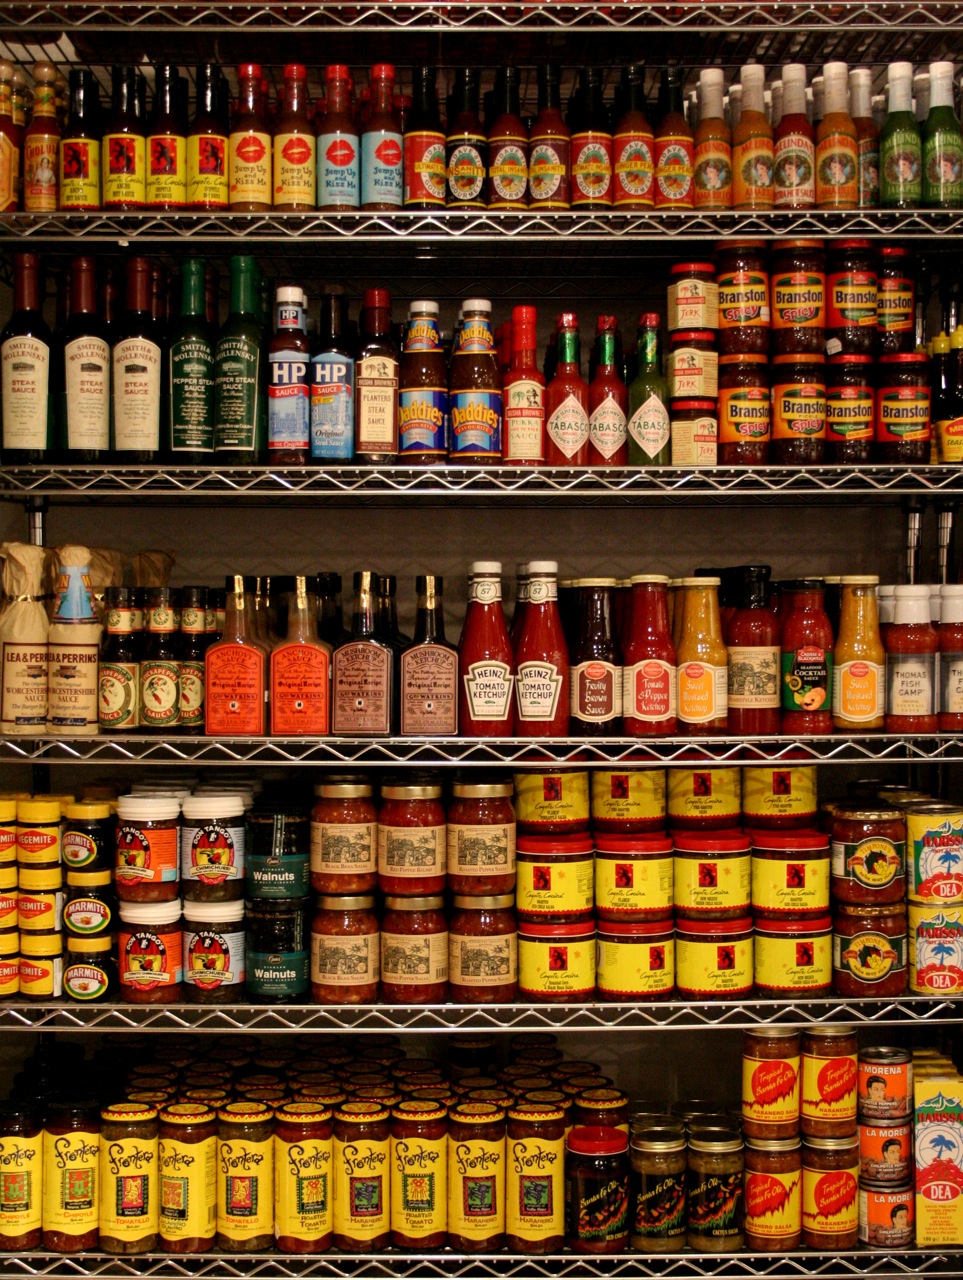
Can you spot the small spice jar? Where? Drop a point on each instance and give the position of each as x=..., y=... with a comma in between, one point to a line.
x=277, y=854
x=745, y=413
x=868, y=856
x=870, y=950
x=851, y=298
x=694, y=432
x=535, y=1179
x=414, y=951
x=483, y=950
x=245, y=1177
x=773, y=1194
x=714, y=958
x=187, y=1153
x=278, y=950
x=635, y=961
x=627, y=802
x=344, y=838
x=345, y=950
x=692, y=365
x=828, y=1106
x=903, y=426
x=830, y=1181
x=657, y=1191
x=71, y=1142
x=129, y=1179
x=770, y=1083
x=360, y=1154
x=90, y=970
x=419, y=1174
x=552, y=804
x=850, y=409
x=481, y=839
x=412, y=841
x=743, y=282
x=303, y=1213
x=214, y=952
x=476, y=1177
x=597, y=1190
x=213, y=843
x=798, y=289
x=715, y=1191
x=712, y=875
x=150, y=952
x=556, y=962
x=21, y=1148
x=693, y=296
x=798, y=410
x=89, y=839
x=633, y=878
x=146, y=865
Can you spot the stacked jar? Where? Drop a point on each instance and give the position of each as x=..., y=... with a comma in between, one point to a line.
x=798, y=319
x=278, y=903
x=770, y=1125
x=887, y=1198
x=150, y=945
x=830, y=1152
x=692, y=366
x=934, y=846
x=90, y=907
x=9, y=925
x=213, y=843
x=39, y=899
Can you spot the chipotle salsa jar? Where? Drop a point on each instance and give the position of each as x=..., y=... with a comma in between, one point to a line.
x=71, y=1156
x=481, y=838
x=21, y=1151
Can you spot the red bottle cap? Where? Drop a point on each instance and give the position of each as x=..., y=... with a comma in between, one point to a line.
x=524, y=317
x=568, y=320
x=376, y=298
x=337, y=71
x=607, y=324
x=249, y=71
x=382, y=71
x=403, y=100
x=650, y=320
x=295, y=71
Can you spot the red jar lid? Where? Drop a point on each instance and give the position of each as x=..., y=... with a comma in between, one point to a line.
x=802, y=357
x=656, y=843
x=701, y=406
x=790, y=841
x=296, y=71
x=850, y=359
x=249, y=71
x=546, y=845
x=635, y=928
x=822, y=924
x=598, y=1140
x=693, y=335
x=711, y=842
x=904, y=357
x=742, y=925
x=689, y=268
x=578, y=929
x=894, y=251
x=852, y=244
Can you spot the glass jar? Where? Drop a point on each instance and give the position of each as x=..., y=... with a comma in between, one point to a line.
x=146, y=867
x=692, y=365
x=712, y=875
x=71, y=1141
x=715, y=1192
x=868, y=856
x=278, y=950
x=798, y=410
x=794, y=957
x=798, y=288
x=303, y=1213
x=555, y=879
x=605, y=1108
x=745, y=412
x=90, y=906
x=129, y=1179
x=89, y=839
x=770, y=1083
x=414, y=951
x=635, y=961
x=552, y=804
x=627, y=802
x=150, y=952
x=790, y=875
x=419, y=1174
x=779, y=799
x=481, y=839
x=693, y=296
x=213, y=842
x=412, y=841
x=704, y=799
x=828, y=1082
x=713, y=959
x=556, y=962
x=187, y=1153
x=90, y=969
x=633, y=878
x=597, y=1190
x=344, y=838
x=773, y=1194
x=657, y=1191
x=361, y=1177
x=277, y=855
x=476, y=1177
x=830, y=1180
x=245, y=1177
x=21, y=1149
x=214, y=952
x=870, y=953
x=851, y=296
x=895, y=301
x=743, y=282
x=483, y=950
x=903, y=427
x=535, y=1178
x=850, y=409
x=345, y=951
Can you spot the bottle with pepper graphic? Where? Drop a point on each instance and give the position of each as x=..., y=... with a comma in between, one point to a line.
x=507, y=146
x=550, y=146
x=592, y=146
x=633, y=146
x=674, y=147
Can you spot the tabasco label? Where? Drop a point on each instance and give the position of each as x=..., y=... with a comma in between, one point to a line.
x=300, y=679
x=649, y=690
x=837, y=172
x=79, y=173
x=568, y=426
x=770, y=1090
x=429, y=691
x=649, y=426
x=794, y=172
x=902, y=413
x=295, y=170
x=361, y=689
x=633, y=170
x=424, y=168
x=207, y=171
x=235, y=692
x=507, y=173
x=166, y=184
x=608, y=427
x=125, y=170
x=249, y=168
x=591, y=169
x=703, y=692
x=744, y=414
x=596, y=691
x=548, y=169
x=674, y=165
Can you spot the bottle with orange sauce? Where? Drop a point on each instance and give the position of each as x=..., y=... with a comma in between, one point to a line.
x=703, y=662
x=858, y=677
x=837, y=153
x=712, y=179
x=752, y=149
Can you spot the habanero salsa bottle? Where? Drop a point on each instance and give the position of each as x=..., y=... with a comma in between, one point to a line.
x=486, y=665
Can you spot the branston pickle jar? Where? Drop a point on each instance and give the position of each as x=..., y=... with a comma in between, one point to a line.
x=71, y=1194
x=419, y=1174
x=303, y=1208
x=344, y=838
x=828, y=1099
x=657, y=1198
x=745, y=412
x=798, y=410
x=770, y=1083
x=597, y=1190
x=481, y=839
x=851, y=299
x=743, y=283
x=414, y=951
x=187, y=1152
x=714, y=1191
x=362, y=1177
x=850, y=409
x=483, y=950
x=245, y=1177
x=476, y=1177
x=21, y=1178
x=798, y=290
x=830, y=1182
x=535, y=1178
x=129, y=1178
x=773, y=1194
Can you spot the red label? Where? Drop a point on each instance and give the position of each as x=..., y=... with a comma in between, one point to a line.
x=389, y=152
x=122, y=156
x=772, y=1081
x=250, y=150
x=341, y=153
x=836, y=1079
x=296, y=150
x=425, y=168
x=764, y=1194
x=651, y=691
x=36, y=840
x=299, y=690
x=235, y=691
x=634, y=169
x=834, y=1192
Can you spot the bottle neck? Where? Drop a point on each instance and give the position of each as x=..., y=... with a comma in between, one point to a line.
x=124, y=97
x=244, y=295
x=430, y=622
x=710, y=102
x=26, y=287
x=237, y=626
x=701, y=614
x=44, y=102
x=860, y=94
x=165, y=104
x=193, y=290
x=382, y=96
x=248, y=100
x=302, y=616
x=568, y=349
x=605, y=356
x=858, y=617
x=794, y=97
x=648, y=348
x=941, y=91
x=900, y=94
x=338, y=93
x=364, y=615
x=83, y=290
x=650, y=608
x=595, y=614
x=523, y=349
x=376, y=322
x=835, y=96
x=549, y=97
x=752, y=97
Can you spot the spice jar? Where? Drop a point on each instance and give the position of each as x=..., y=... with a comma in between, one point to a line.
x=483, y=950
x=693, y=296
x=481, y=839
x=715, y=1192
x=597, y=1190
x=245, y=1177
x=773, y=1194
x=476, y=1177
x=187, y=1155
x=828, y=1103
x=633, y=878
x=21, y=1149
x=412, y=841
x=345, y=951
x=903, y=427
x=277, y=855
x=745, y=413
x=770, y=1083
x=88, y=837
x=278, y=953
x=793, y=957
x=851, y=297
x=212, y=840
x=657, y=1199
x=868, y=856
x=830, y=1179
x=556, y=962
x=551, y=804
x=798, y=288
x=214, y=952
x=712, y=875
x=692, y=365
x=798, y=410
x=414, y=951
x=71, y=1159
x=146, y=865
x=627, y=802
x=90, y=970
x=870, y=954
x=303, y=1213
x=344, y=838
x=419, y=1174
x=535, y=1179
x=743, y=283
x=360, y=1152
x=129, y=1178
x=555, y=879
x=850, y=409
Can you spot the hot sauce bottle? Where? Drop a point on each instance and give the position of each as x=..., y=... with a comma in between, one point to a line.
x=523, y=443
x=752, y=149
x=166, y=144
x=712, y=176
x=475, y=399
x=541, y=659
x=752, y=639
x=858, y=678
x=592, y=146
x=41, y=143
x=912, y=648
x=123, y=148
x=567, y=403
x=806, y=678
x=867, y=136
x=301, y=671
x=11, y=142
x=235, y=672
x=674, y=147
x=339, y=148
x=649, y=676
x=249, y=146
x=794, y=150
x=900, y=149
x=428, y=688
x=608, y=402
x=507, y=146
x=80, y=146
x=207, y=166
x=837, y=154
x=648, y=426
x=703, y=661
x=295, y=169
x=466, y=146
x=942, y=143
x=951, y=659
x=596, y=664
x=382, y=176
x=633, y=146
x=550, y=146
x=485, y=659
x=424, y=161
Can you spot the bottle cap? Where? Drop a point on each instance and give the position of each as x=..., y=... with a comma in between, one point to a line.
x=486, y=568
x=524, y=317
x=249, y=71
x=476, y=304
x=568, y=320
x=376, y=298
x=941, y=344
x=649, y=320
x=712, y=78
x=382, y=71
x=289, y=293
x=542, y=568
x=431, y=308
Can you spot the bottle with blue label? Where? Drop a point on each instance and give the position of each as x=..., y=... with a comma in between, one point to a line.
x=382, y=146
x=423, y=390
x=339, y=151
x=332, y=380
x=289, y=391
x=475, y=399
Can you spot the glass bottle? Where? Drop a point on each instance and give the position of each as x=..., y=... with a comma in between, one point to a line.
x=867, y=136
x=951, y=659
x=423, y=390
x=137, y=362
x=249, y=146
x=794, y=149
x=475, y=390
x=376, y=382
x=521, y=600
x=608, y=401
x=382, y=175
x=912, y=649
x=837, y=152
x=595, y=664
x=85, y=379
x=806, y=642
x=387, y=612
x=79, y=174
x=712, y=157
x=25, y=358
x=339, y=147
x=301, y=671
x=649, y=672
x=428, y=685
x=900, y=150
x=859, y=672
x=674, y=146
x=507, y=145
x=633, y=146
x=235, y=672
x=549, y=146
x=239, y=420
x=192, y=644
x=362, y=688
x=523, y=392
x=331, y=626
x=541, y=659
x=118, y=675
x=166, y=183
x=295, y=170
x=592, y=146
x=159, y=696
x=424, y=158
x=702, y=661
x=41, y=143
x=123, y=147
x=648, y=425
x=289, y=389
x=752, y=639
x=752, y=147
x=332, y=380
x=466, y=146
x=190, y=421
x=11, y=142
x=567, y=402
x=485, y=660
x=942, y=144
x=208, y=186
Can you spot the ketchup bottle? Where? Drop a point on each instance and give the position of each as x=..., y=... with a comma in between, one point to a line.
x=649, y=661
x=541, y=659
x=608, y=402
x=912, y=647
x=752, y=638
x=567, y=402
x=951, y=659
x=523, y=429
x=807, y=660
x=485, y=661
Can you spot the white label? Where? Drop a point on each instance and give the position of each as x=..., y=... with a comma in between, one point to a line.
x=649, y=690
x=87, y=366
x=693, y=373
x=524, y=421
x=538, y=685
x=72, y=687
x=693, y=304
x=376, y=383
x=26, y=370
x=137, y=379
x=695, y=442
x=541, y=590
x=24, y=698
x=911, y=684
x=409, y=960
x=568, y=426
x=486, y=590
x=607, y=427
x=951, y=683
x=488, y=687
x=649, y=426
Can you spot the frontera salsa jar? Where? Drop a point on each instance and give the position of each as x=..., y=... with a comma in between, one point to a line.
x=344, y=838
x=129, y=1178
x=851, y=296
x=597, y=1190
x=828, y=1098
x=535, y=1179
x=481, y=838
x=476, y=1177
x=345, y=951
x=412, y=841
x=187, y=1151
x=903, y=426
x=361, y=1177
x=483, y=950
x=745, y=413
x=419, y=1174
x=245, y=1177
x=303, y=1210
x=743, y=283
x=798, y=287
x=71, y=1158
x=798, y=410
x=850, y=409
x=414, y=951
x=21, y=1180
x=146, y=868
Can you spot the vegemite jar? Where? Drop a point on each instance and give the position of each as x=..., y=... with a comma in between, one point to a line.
x=851, y=299
x=798, y=290
x=743, y=283
x=850, y=409
x=903, y=427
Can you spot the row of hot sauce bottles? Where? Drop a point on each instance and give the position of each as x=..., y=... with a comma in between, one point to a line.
x=820, y=148
x=358, y=1147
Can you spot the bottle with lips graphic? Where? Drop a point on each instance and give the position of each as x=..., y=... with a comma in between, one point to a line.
x=507, y=145
x=207, y=168
x=592, y=146
x=382, y=173
x=249, y=146
x=425, y=182
x=541, y=659
x=550, y=146
x=466, y=146
x=295, y=145
x=633, y=146
x=567, y=403
x=123, y=148
x=166, y=144
x=339, y=150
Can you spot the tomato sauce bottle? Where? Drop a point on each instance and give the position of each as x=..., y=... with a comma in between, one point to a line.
x=912, y=648
x=702, y=661
x=485, y=660
x=541, y=659
x=951, y=659
x=752, y=638
x=548, y=161
x=523, y=396
x=567, y=402
x=507, y=146
x=596, y=663
x=633, y=146
x=608, y=402
x=649, y=675
x=807, y=660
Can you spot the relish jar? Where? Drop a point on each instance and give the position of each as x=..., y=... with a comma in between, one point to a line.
x=745, y=413
x=773, y=1193
x=693, y=296
x=345, y=950
x=419, y=1174
x=714, y=1191
x=743, y=282
x=483, y=950
x=344, y=838
x=798, y=288
x=851, y=297
x=481, y=839
x=361, y=1177
x=828, y=1082
x=868, y=856
x=903, y=426
x=870, y=950
x=850, y=409
x=303, y=1218
x=657, y=1202
x=414, y=951
x=830, y=1179
x=597, y=1190
x=476, y=1177
x=798, y=410
x=692, y=365
x=535, y=1178
x=128, y=1152
x=147, y=864
x=770, y=1082
x=412, y=841
x=245, y=1177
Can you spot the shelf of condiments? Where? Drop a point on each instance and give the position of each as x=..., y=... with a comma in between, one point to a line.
x=234, y=1146
x=829, y=146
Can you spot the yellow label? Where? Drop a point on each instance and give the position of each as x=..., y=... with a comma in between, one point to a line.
x=40, y=155
x=128, y=1188
x=476, y=1188
x=773, y=1204
x=188, y=1200
x=636, y=966
x=295, y=169
x=41, y=976
x=705, y=793
x=778, y=792
x=419, y=1186
x=207, y=181
x=546, y=887
x=535, y=1188
x=829, y=1200
x=949, y=435
x=38, y=845
x=351, y=961
x=80, y=173
x=362, y=1187
x=70, y=1193
x=245, y=1188
x=9, y=979
x=702, y=692
x=411, y=960
x=712, y=174
x=482, y=850
x=550, y=967
x=9, y=173
x=624, y=883
x=552, y=797
x=770, y=1089
x=858, y=690
x=482, y=962
x=249, y=168
x=799, y=411
x=412, y=852
x=166, y=170
x=624, y=794
x=713, y=968
x=712, y=883
x=21, y=1163
x=790, y=884
x=8, y=915
x=125, y=169
x=752, y=165
x=802, y=963
x=829, y=1087
x=344, y=847
x=303, y=1202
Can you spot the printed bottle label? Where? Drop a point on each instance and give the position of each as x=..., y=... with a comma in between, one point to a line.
x=80, y=173
x=507, y=172
x=235, y=680
x=744, y=415
x=476, y=337
x=21, y=1184
x=339, y=171
x=23, y=666
x=798, y=300
x=868, y=180
x=25, y=364
x=9, y=174
x=874, y=863
x=236, y=364
x=715, y=1203
x=40, y=173
x=911, y=684
x=207, y=175
x=538, y=687
x=118, y=701
x=858, y=690
x=692, y=374
x=850, y=413
x=482, y=962
x=901, y=167
x=476, y=1187
x=350, y=961
x=72, y=686
x=744, y=300
x=633, y=169
x=303, y=1205
x=213, y=960
x=419, y=1185
x=87, y=371
x=481, y=851
x=289, y=401
x=344, y=848
x=466, y=169
x=411, y=852
x=770, y=1090
x=674, y=163
x=807, y=678
x=524, y=425
x=295, y=170
x=192, y=396
x=703, y=692
x=192, y=695
x=332, y=406
x=794, y=172
x=837, y=172
x=649, y=690
x=548, y=168
x=608, y=427
x=535, y=1188
x=188, y=1189
x=568, y=426
x=895, y=304
x=752, y=166
x=693, y=304
x=125, y=170
x=299, y=690
x=773, y=1205
x=851, y=300
x=377, y=404
x=753, y=676
x=245, y=1188
x=798, y=411
x=424, y=167
x=596, y=692
x=476, y=423
x=71, y=1194
x=128, y=1188
x=488, y=689
x=712, y=175
x=423, y=421
x=382, y=178
x=409, y=961
x=362, y=1179
x=942, y=168
x=166, y=184
x=902, y=414
x=649, y=426
x=951, y=683
x=829, y=1202
x=429, y=691
x=249, y=168
x=591, y=169
x=137, y=394
x=694, y=441
x=361, y=689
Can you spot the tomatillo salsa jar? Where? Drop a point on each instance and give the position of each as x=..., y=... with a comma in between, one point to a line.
x=535, y=1178
x=245, y=1177
x=187, y=1152
x=419, y=1174
x=303, y=1209
x=344, y=838
x=483, y=950
x=481, y=839
x=412, y=841
x=476, y=1177
x=128, y=1163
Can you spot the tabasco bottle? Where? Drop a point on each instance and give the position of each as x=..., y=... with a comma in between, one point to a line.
x=592, y=146
x=339, y=148
x=596, y=664
x=674, y=147
x=85, y=380
x=806, y=640
x=424, y=147
x=123, y=147
x=239, y=373
x=249, y=151
x=208, y=185
x=159, y=673
x=608, y=401
x=648, y=425
x=507, y=146
x=382, y=175
x=567, y=403
x=428, y=687
x=119, y=671
x=867, y=135
x=837, y=153
x=633, y=146
x=11, y=143
x=190, y=362
x=301, y=671
x=541, y=659
x=712, y=158
x=752, y=146
x=549, y=146
x=25, y=385
x=362, y=688
x=295, y=146
x=702, y=661
x=376, y=382
x=466, y=146
x=192, y=643
x=80, y=146
x=289, y=382
x=235, y=673
x=166, y=184
x=524, y=396
x=649, y=677
x=41, y=144
x=485, y=660
x=794, y=148
x=752, y=639
x=137, y=362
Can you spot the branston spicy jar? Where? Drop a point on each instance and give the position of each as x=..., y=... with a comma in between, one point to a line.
x=345, y=951
x=419, y=1174
x=828, y=1101
x=362, y=1177
x=535, y=1178
x=633, y=878
x=344, y=838
x=483, y=950
x=868, y=856
x=303, y=1209
x=21, y=1178
x=412, y=840
x=798, y=289
x=71, y=1156
x=743, y=283
x=476, y=1177
x=773, y=1194
x=635, y=961
x=414, y=951
x=129, y=1178
x=481, y=838
x=870, y=950
x=830, y=1182
x=597, y=1190
x=770, y=1082
x=745, y=412
x=187, y=1153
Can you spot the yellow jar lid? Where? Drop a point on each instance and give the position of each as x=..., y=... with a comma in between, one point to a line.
x=40, y=809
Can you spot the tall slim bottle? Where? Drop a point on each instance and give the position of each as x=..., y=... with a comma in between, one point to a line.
x=424, y=146
x=596, y=664
x=239, y=369
x=249, y=146
x=633, y=146
x=592, y=146
x=900, y=150
x=674, y=147
x=339, y=146
x=466, y=146
x=235, y=673
x=332, y=380
x=942, y=145
x=382, y=175
x=703, y=661
x=190, y=364
x=837, y=149
x=794, y=146
x=137, y=363
x=712, y=175
x=649, y=676
x=648, y=426
x=289, y=387
x=550, y=146
x=25, y=358
x=85, y=379
x=752, y=146
x=567, y=402
x=507, y=146
x=208, y=186
x=295, y=168
x=867, y=135
x=376, y=382
x=73, y=650
x=123, y=147
x=41, y=144
x=301, y=672
x=428, y=688
x=166, y=185
x=80, y=146
x=523, y=396
x=362, y=687
x=608, y=402
x=11, y=143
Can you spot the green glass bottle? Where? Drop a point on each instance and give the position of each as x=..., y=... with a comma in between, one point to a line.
x=900, y=152
x=240, y=427
x=942, y=144
x=649, y=444
x=25, y=346
x=190, y=364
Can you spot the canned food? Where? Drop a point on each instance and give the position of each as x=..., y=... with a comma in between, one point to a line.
x=884, y=1084
x=934, y=846
x=935, y=950
x=886, y=1218
x=886, y=1154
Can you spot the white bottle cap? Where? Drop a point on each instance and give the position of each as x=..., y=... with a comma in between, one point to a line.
x=486, y=569
x=900, y=86
x=912, y=605
x=735, y=104
x=941, y=84
x=289, y=293
x=935, y=604
x=951, y=605
x=794, y=89
x=417, y=308
x=476, y=304
x=860, y=93
x=542, y=568
x=777, y=101
x=886, y=603
x=711, y=86
x=835, y=88
x=753, y=79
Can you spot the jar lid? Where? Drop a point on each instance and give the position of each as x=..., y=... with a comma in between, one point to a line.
x=549, y=1096
x=128, y=1112
x=477, y=1113
x=545, y=846
x=89, y=879
x=360, y=1112
x=347, y=902
x=709, y=842
x=774, y=1033
x=725, y=245
x=87, y=811
x=148, y=808
x=790, y=841
x=848, y=814
x=596, y=582
x=852, y=244
x=904, y=357
x=688, y=268
x=716, y=1139
x=797, y=928
x=532, y=1111
x=303, y=1112
x=831, y=1144
x=707, y=581
x=693, y=335
x=893, y=251
x=38, y=810
x=801, y=357
x=208, y=1095
x=324, y=1097
x=151, y=912
x=927, y=806
x=659, y=579
x=850, y=358
x=885, y=1053
x=691, y=406
x=245, y=1113
x=597, y=1140
x=627, y=845
x=215, y=912
x=43, y=944
x=829, y=1031
x=774, y=1144
x=658, y=1139
x=742, y=925
x=747, y=358
x=396, y=792
x=89, y=946
x=798, y=244
x=343, y=790
x=874, y=911
x=423, y=1110
x=214, y=806
x=187, y=1113
x=579, y=929
x=434, y=903
x=634, y=928
x=481, y=790
x=603, y=1099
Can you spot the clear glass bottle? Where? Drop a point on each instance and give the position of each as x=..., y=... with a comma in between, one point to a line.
x=858, y=674
x=703, y=661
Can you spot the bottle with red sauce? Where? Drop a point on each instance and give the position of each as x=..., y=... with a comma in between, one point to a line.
x=567, y=402
x=649, y=676
x=752, y=638
x=951, y=659
x=523, y=396
x=596, y=664
x=485, y=662
x=912, y=648
x=541, y=659
x=807, y=661
x=608, y=401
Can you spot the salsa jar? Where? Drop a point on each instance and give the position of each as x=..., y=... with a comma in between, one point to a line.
x=187, y=1156
x=627, y=802
x=715, y=1192
x=277, y=856
x=344, y=838
x=713, y=959
x=692, y=365
x=868, y=856
x=773, y=1194
x=779, y=798
x=635, y=961
x=412, y=841
x=850, y=409
x=303, y=1210
x=535, y=1178
x=556, y=876
x=361, y=1177
x=597, y=1190
x=414, y=951
x=556, y=962
x=214, y=952
x=798, y=288
x=851, y=299
x=770, y=1082
x=790, y=875
x=633, y=878
x=476, y=1177
x=146, y=867
x=481, y=838
x=828, y=1092
x=743, y=283
x=704, y=799
x=213, y=842
x=657, y=1199
x=483, y=950
x=903, y=426
x=150, y=952
x=70, y=1163
x=245, y=1177
x=798, y=410
x=345, y=950
x=884, y=1084
x=419, y=1174
x=712, y=875
x=693, y=296
x=605, y=1107
x=129, y=1179
x=89, y=840
x=21, y=1153
x=552, y=804
x=830, y=1184
x=794, y=957
x=745, y=411
x=870, y=951
x=278, y=950
x=886, y=1154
